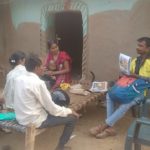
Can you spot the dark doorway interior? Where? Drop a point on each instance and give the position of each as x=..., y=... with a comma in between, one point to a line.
x=68, y=28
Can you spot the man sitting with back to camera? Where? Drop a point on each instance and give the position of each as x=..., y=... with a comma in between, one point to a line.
x=33, y=103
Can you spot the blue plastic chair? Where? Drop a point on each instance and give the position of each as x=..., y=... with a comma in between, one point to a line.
x=139, y=131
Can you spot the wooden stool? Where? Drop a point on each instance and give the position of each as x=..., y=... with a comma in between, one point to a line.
x=30, y=132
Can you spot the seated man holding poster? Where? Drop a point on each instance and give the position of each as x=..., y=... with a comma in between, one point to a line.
x=128, y=91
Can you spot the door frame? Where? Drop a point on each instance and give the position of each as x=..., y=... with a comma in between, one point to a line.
x=59, y=5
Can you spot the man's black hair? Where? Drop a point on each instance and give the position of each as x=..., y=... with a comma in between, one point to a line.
x=146, y=39
x=32, y=62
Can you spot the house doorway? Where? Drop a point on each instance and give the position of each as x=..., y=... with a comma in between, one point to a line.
x=68, y=22
x=69, y=32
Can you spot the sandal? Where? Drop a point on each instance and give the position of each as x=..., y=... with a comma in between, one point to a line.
x=98, y=129
x=107, y=132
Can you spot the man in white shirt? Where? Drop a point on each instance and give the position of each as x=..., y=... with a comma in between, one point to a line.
x=33, y=103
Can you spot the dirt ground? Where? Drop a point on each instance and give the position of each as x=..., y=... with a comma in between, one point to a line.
x=82, y=139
